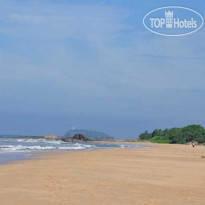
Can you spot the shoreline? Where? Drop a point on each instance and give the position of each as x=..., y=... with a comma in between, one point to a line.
x=165, y=174
x=37, y=155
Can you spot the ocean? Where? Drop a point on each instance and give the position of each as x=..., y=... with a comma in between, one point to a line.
x=19, y=148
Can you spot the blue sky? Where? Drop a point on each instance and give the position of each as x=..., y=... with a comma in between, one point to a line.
x=93, y=65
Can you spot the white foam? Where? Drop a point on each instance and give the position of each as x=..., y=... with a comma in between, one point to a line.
x=84, y=145
x=124, y=146
x=129, y=146
x=13, y=148
x=31, y=140
x=54, y=142
x=40, y=141
x=22, y=147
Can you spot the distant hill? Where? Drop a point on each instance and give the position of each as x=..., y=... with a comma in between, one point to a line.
x=95, y=135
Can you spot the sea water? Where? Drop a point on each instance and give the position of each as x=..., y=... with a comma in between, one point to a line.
x=19, y=148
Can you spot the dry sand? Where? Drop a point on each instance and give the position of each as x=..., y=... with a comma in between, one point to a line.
x=161, y=175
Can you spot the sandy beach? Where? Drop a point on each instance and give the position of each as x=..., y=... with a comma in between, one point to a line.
x=163, y=174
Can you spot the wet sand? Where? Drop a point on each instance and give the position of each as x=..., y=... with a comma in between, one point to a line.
x=160, y=175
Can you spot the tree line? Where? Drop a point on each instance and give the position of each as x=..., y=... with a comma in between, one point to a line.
x=176, y=135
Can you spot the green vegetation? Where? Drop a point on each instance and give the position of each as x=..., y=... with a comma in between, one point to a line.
x=159, y=139
x=145, y=135
x=176, y=135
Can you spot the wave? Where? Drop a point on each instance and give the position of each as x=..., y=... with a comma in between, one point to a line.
x=17, y=148
x=39, y=141
x=124, y=146
x=39, y=145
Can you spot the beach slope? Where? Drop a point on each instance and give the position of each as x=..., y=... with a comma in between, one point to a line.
x=163, y=174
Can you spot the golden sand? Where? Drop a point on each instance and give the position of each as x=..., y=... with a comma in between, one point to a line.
x=160, y=175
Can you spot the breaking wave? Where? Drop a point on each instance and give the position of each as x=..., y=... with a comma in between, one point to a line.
x=16, y=148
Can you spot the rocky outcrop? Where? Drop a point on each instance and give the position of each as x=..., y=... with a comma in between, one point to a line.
x=51, y=137
x=76, y=138
x=80, y=137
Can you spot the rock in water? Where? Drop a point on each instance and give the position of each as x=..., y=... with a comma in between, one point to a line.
x=51, y=137
x=80, y=137
x=76, y=138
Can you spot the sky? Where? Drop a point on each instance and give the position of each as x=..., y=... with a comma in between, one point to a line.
x=92, y=65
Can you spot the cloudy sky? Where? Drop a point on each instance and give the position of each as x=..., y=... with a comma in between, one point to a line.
x=92, y=64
